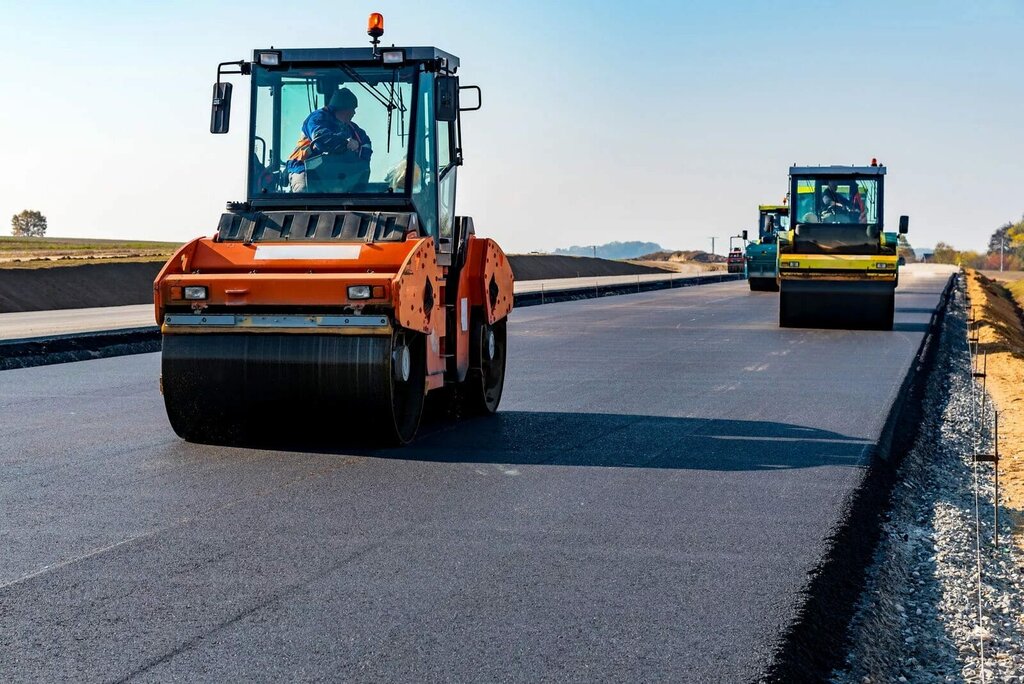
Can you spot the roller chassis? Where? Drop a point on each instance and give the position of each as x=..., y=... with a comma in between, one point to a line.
x=761, y=255
x=838, y=289
x=283, y=341
x=333, y=314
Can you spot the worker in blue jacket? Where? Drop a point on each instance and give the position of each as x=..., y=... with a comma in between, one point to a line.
x=333, y=154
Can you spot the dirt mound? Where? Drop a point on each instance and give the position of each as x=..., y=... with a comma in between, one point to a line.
x=696, y=255
x=550, y=266
x=1000, y=333
x=77, y=287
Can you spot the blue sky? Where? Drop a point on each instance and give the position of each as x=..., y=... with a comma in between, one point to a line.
x=661, y=121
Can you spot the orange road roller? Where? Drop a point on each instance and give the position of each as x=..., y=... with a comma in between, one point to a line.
x=344, y=289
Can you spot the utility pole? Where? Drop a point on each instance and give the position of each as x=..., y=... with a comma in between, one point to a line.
x=712, y=245
x=1002, y=241
x=595, y=251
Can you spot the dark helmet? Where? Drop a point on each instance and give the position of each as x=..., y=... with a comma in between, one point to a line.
x=343, y=99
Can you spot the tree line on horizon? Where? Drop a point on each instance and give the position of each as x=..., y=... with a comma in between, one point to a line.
x=1008, y=239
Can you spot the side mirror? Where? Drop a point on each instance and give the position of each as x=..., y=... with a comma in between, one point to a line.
x=446, y=93
x=744, y=236
x=904, y=224
x=479, y=98
x=220, y=112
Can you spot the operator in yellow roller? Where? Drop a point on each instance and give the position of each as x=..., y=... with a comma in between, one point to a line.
x=333, y=154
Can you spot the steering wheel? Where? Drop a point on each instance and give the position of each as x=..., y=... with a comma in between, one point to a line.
x=836, y=214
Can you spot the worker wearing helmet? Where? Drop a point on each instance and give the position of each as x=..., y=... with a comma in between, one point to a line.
x=835, y=204
x=333, y=152
x=769, y=230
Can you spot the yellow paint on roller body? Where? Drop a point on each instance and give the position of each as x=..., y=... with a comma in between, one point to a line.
x=838, y=266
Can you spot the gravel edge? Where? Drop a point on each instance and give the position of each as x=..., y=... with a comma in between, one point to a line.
x=917, y=620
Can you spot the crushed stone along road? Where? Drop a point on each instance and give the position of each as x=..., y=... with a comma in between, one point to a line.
x=664, y=472
x=918, y=618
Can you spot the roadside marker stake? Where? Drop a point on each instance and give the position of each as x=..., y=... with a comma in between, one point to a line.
x=993, y=458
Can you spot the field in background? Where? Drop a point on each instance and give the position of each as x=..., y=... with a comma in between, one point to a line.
x=1008, y=276
x=26, y=252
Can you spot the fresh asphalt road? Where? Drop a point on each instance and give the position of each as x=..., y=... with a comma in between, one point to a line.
x=662, y=475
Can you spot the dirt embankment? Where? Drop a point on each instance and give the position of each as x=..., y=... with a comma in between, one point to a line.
x=77, y=287
x=117, y=284
x=689, y=262
x=551, y=266
x=1001, y=335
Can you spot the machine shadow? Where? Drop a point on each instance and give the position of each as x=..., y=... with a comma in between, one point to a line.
x=625, y=441
x=910, y=327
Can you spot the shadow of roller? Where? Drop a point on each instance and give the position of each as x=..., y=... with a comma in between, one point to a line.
x=610, y=440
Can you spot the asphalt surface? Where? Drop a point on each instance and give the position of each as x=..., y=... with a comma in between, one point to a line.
x=28, y=324
x=661, y=477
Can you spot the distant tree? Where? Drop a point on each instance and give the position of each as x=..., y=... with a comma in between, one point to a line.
x=905, y=250
x=612, y=250
x=945, y=254
x=971, y=259
x=1001, y=235
x=1008, y=241
x=28, y=223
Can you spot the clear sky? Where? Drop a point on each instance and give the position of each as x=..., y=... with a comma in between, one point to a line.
x=661, y=121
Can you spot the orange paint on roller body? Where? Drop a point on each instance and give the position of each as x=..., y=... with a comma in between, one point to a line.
x=335, y=289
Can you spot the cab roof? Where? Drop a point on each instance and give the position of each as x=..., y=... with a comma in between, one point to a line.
x=773, y=207
x=361, y=54
x=837, y=171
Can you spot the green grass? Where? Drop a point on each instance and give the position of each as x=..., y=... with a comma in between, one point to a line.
x=1016, y=288
x=28, y=252
x=44, y=245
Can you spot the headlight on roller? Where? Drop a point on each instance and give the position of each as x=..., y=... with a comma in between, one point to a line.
x=359, y=292
x=195, y=292
x=882, y=264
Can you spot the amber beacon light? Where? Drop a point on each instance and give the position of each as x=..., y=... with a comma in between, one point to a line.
x=375, y=25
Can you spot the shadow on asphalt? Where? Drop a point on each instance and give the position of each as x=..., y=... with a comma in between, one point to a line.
x=911, y=327
x=915, y=309
x=597, y=439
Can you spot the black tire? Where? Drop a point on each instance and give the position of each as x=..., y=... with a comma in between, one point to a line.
x=763, y=285
x=252, y=389
x=407, y=396
x=803, y=307
x=886, y=308
x=485, y=381
x=787, y=311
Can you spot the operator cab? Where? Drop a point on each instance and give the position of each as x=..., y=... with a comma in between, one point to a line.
x=341, y=131
x=772, y=219
x=837, y=209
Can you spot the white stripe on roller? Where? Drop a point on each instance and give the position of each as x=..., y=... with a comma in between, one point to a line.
x=283, y=252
